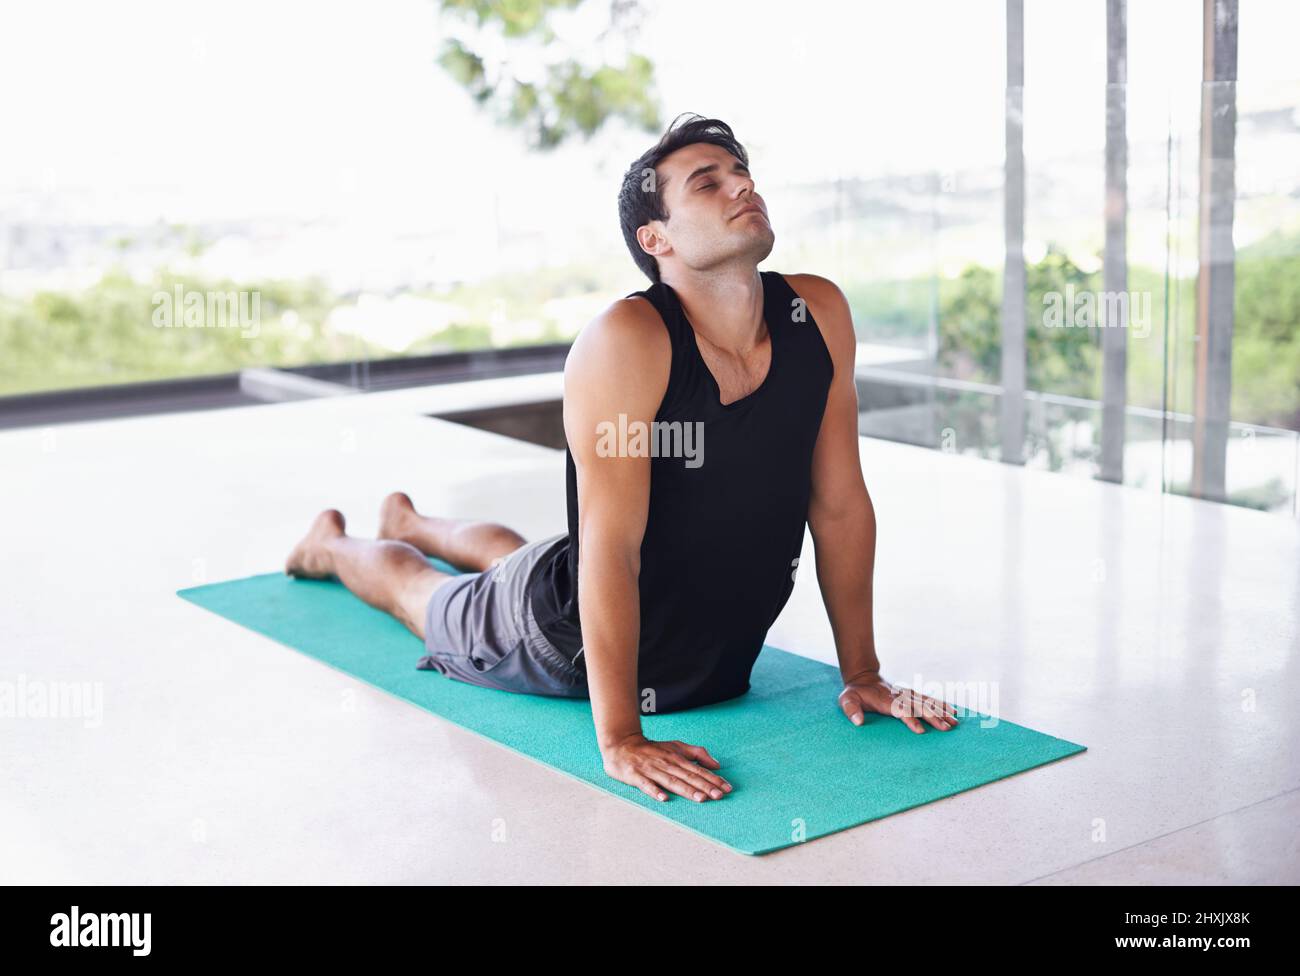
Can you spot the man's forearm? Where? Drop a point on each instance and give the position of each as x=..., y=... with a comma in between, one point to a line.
x=846, y=556
x=609, y=606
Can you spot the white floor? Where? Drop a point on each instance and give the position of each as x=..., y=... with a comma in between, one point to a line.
x=1162, y=632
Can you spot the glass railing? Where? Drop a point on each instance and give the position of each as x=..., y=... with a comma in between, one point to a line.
x=1062, y=434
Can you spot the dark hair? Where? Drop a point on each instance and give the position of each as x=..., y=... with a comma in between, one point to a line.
x=637, y=205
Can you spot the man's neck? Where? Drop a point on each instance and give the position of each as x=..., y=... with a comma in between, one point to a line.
x=725, y=306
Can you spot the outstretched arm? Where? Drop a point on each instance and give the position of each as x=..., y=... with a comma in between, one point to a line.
x=619, y=365
x=843, y=524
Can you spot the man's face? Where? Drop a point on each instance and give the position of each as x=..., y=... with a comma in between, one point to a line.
x=705, y=188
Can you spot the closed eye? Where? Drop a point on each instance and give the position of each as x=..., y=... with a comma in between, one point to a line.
x=706, y=186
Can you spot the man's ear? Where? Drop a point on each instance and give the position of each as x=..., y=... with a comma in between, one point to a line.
x=652, y=241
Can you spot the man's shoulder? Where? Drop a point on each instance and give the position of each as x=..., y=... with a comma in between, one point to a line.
x=816, y=289
x=830, y=310
x=623, y=351
x=627, y=326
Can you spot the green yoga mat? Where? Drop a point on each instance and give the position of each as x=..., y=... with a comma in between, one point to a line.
x=799, y=769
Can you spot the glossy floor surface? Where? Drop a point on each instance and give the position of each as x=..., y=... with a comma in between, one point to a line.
x=1162, y=632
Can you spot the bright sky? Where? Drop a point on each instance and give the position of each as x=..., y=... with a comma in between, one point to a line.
x=229, y=108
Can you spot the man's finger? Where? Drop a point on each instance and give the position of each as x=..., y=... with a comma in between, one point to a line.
x=904, y=704
x=667, y=777
x=683, y=757
x=939, y=722
x=940, y=707
x=696, y=752
x=649, y=788
x=906, y=707
x=852, y=709
x=700, y=778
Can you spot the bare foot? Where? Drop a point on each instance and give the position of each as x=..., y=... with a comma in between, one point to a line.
x=395, y=515
x=311, y=557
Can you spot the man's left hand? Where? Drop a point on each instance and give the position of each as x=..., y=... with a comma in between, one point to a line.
x=872, y=693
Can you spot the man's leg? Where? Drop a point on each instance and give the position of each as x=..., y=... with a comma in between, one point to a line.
x=389, y=575
x=465, y=543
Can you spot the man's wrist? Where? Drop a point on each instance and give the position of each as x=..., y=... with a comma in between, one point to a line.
x=608, y=740
x=860, y=675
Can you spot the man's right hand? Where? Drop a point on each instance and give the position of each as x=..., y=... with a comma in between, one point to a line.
x=653, y=767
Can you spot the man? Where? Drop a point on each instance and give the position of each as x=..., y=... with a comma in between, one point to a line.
x=689, y=549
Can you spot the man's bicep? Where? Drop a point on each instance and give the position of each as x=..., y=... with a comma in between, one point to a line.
x=837, y=483
x=605, y=400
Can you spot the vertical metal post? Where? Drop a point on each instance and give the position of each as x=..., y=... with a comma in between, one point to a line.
x=1013, y=275
x=1114, y=335
x=1215, y=276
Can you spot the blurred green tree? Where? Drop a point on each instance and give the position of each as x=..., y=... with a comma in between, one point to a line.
x=510, y=60
x=1057, y=360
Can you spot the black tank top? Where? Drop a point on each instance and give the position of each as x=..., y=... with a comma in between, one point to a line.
x=722, y=537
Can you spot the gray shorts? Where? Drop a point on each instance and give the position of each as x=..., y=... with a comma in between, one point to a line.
x=479, y=628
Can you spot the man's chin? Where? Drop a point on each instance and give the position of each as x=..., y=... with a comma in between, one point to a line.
x=763, y=247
